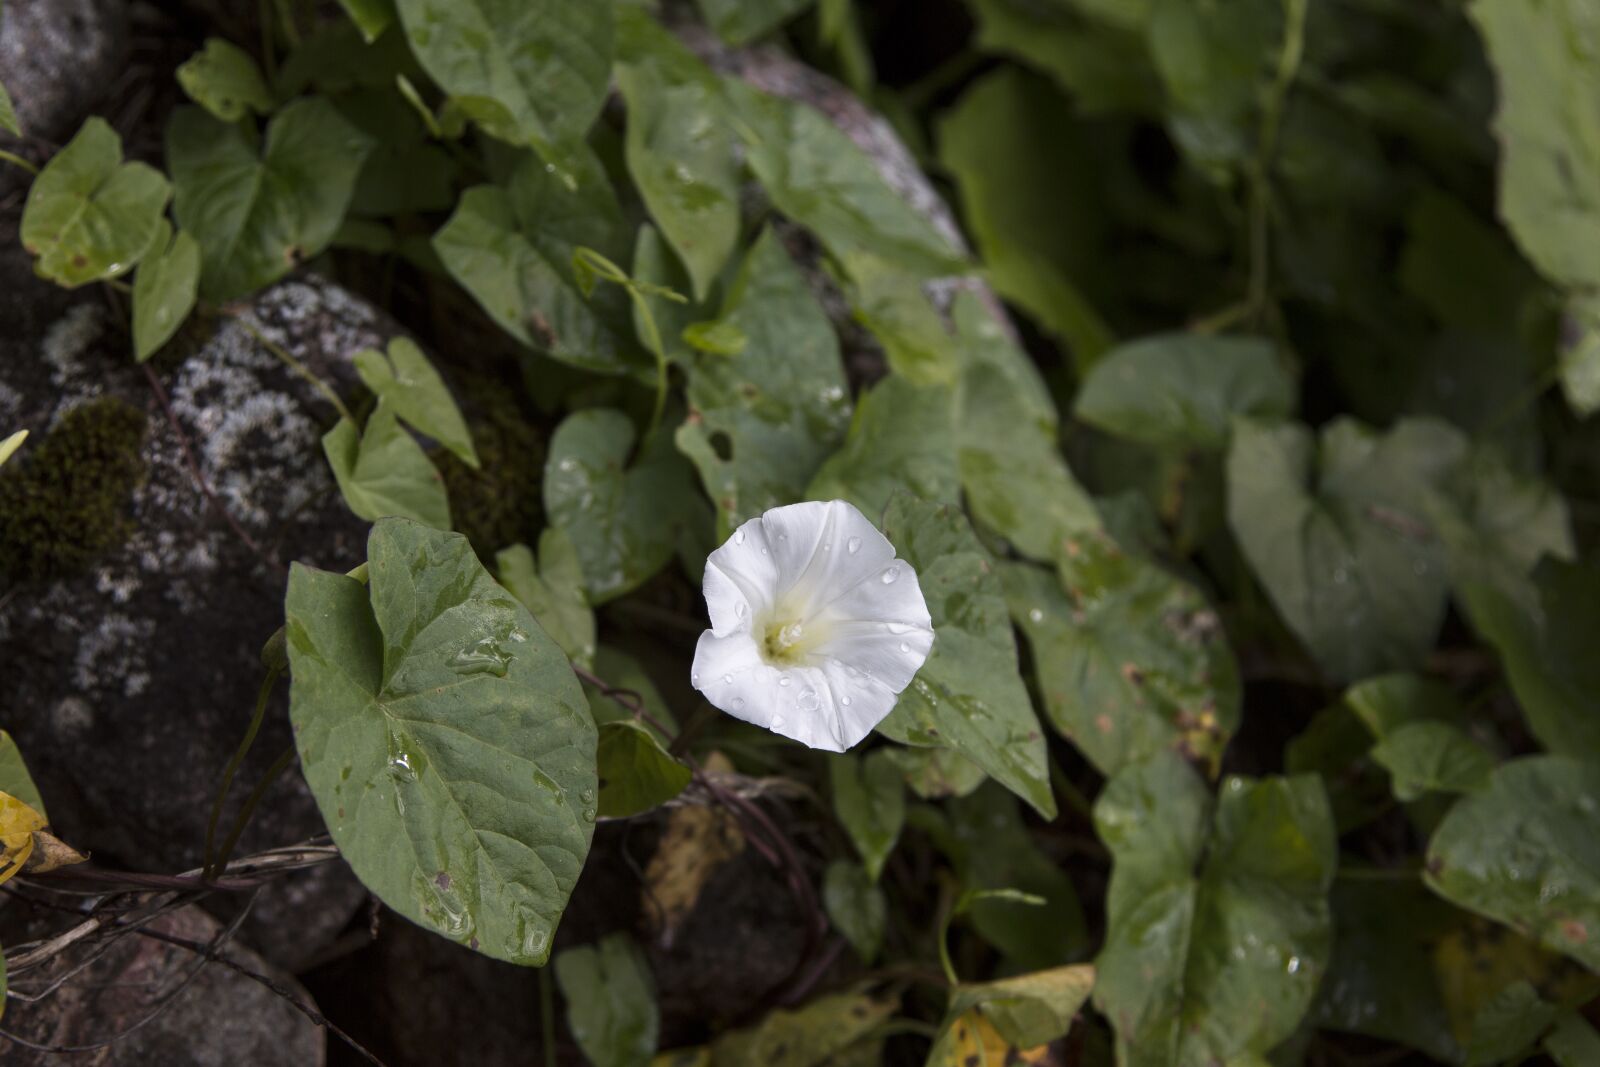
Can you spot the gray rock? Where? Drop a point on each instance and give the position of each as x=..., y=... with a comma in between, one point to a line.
x=58, y=58
x=131, y=677
x=220, y=1018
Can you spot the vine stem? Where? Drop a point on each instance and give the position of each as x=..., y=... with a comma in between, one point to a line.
x=288, y=360
x=1294, y=36
x=210, y=868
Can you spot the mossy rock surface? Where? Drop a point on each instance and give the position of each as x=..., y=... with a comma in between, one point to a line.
x=132, y=614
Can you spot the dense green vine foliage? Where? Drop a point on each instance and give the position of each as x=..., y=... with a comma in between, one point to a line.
x=1254, y=522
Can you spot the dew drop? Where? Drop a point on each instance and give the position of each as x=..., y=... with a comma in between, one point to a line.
x=889, y=575
x=1293, y=965
x=740, y=609
x=764, y=552
x=808, y=700
x=518, y=636
x=588, y=814
x=784, y=681
x=738, y=537
x=782, y=538
x=853, y=545
x=846, y=701
x=1036, y=615
x=827, y=546
x=904, y=647
x=727, y=679
x=897, y=627
x=738, y=703
x=694, y=678
x=568, y=465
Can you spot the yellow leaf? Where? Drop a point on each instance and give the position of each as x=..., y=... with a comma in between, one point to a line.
x=18, y=821
x=696, y=842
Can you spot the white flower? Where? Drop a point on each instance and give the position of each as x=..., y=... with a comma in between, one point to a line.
x=816, y=628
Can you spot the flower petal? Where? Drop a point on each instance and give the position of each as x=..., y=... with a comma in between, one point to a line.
x=885, y=652
x=797, y=702
x=823, y=550
x=741, y=579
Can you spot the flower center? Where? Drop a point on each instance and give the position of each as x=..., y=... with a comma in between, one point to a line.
x=787, y=641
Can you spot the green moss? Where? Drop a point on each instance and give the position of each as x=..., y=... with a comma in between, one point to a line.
x=501, y=503
x=65, y=502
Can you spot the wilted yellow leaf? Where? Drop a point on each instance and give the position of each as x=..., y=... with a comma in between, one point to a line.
x=18, y=822
x=696, y=842
x=50, y=852
x=970, y=1040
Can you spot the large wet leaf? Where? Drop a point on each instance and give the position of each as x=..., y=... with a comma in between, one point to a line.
x=1182, y=390
x=382, y=471
x=260, y=211
x=611, y=1001
x=679, y=145
x=1526, y=851
x=623, y=521
x=819, y=178
x=89, y=215
x=1202, y=965
x=1338, y=532
x=446, y=740
x=894, y=304
x=969, y=695
x=1012, y=469
x=761, y=422
x=902, y=439
x=512, y=248
x=1130, y=659
x=531, y=72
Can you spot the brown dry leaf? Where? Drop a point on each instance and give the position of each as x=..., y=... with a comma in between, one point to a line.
x=50, y=852
x=18, y=822
x=696, y=842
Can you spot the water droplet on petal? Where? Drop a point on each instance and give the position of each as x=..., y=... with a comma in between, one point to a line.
x=889, y=575
x=897, y=627
x=727, y=679
x=846, y=701
x=783, y=537
x=738, y=703
x=738, y=537
x=694, y=678
x=807, y=700
x=853, y=545
x=764, y=552
x=827, y=546
x=784, y=680
x=740, y=608
x=904, y=647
